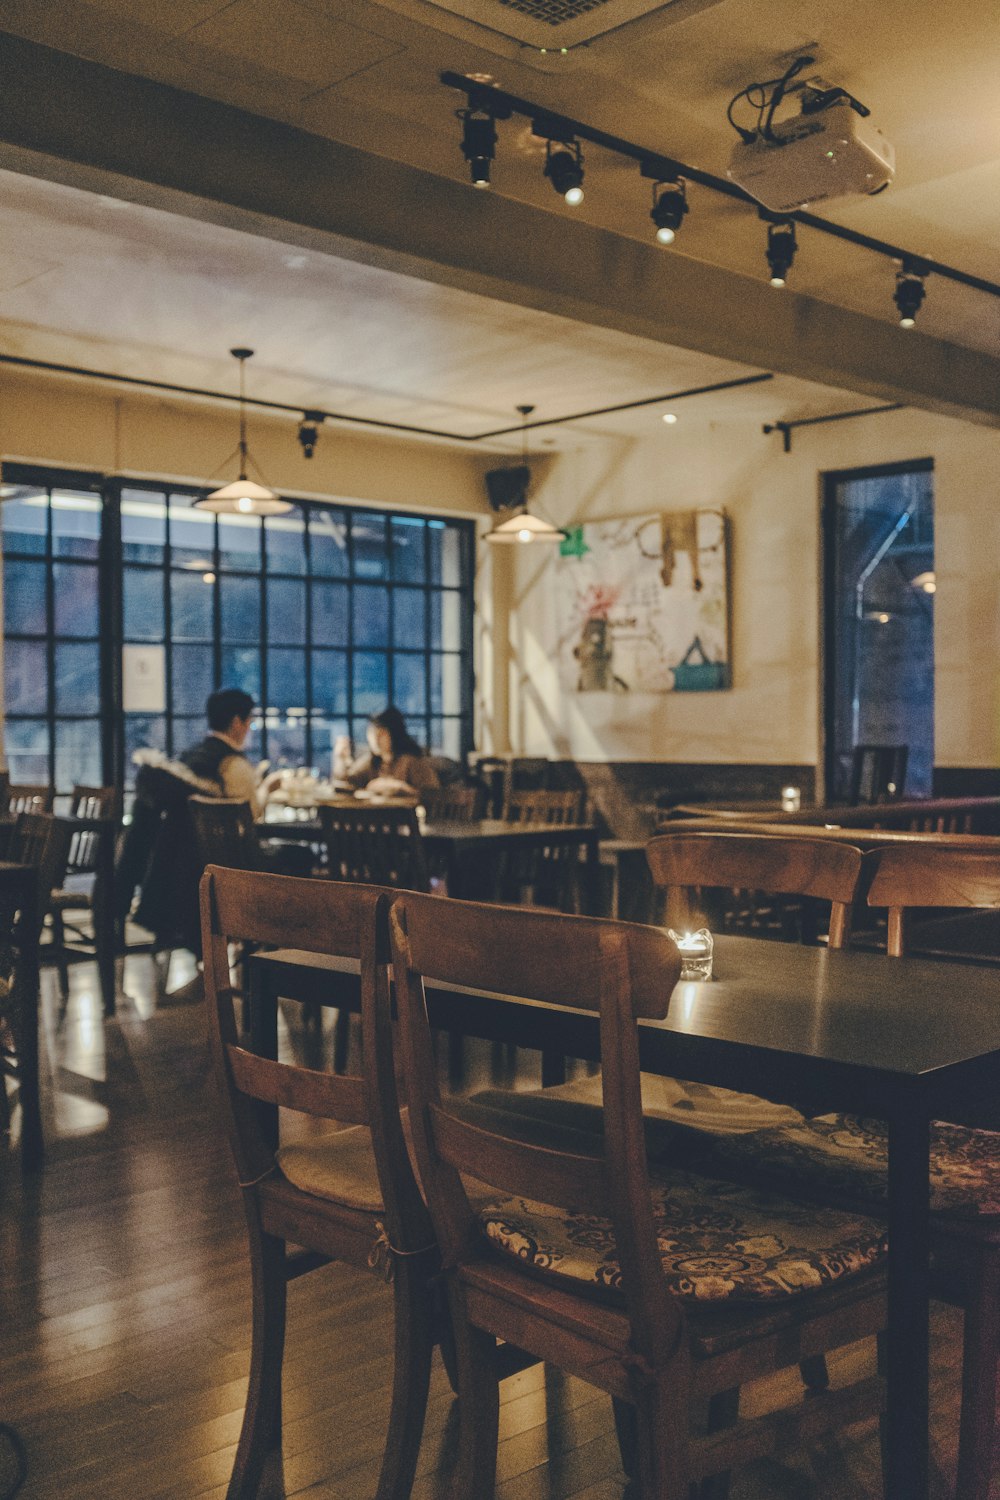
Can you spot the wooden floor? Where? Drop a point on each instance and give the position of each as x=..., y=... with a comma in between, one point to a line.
x=124, y=1301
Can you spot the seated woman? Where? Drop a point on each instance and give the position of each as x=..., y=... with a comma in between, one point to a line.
x=395, y=765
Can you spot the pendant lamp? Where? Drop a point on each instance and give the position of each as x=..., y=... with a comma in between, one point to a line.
x=523, y=526
x=243, y=497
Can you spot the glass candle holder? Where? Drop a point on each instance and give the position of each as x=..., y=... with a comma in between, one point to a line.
x=695, y=949
x=791, y=799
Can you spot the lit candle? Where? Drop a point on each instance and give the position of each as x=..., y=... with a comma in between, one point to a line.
x=695, y=949
x=791, y=798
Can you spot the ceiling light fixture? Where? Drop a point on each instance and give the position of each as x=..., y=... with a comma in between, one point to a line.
x=669, y=207
x=479, y=139
x=564, y=169
x=243, y=497
x=781, y=247
x=670, y=417
x=308, y=434
x=909, y=293
x=523, y=527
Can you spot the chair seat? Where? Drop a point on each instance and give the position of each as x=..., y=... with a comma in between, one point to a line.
x=698, y=1106
x=844, y=1159
x=718, y=1241
x=339, y=1167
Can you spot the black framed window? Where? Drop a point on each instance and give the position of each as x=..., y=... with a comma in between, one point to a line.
x=879, y=637
x=54, y=668
x=323, y=615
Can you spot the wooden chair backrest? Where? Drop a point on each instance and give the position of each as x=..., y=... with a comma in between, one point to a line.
x=619, y=970
x=819, y=868
x=42, y=841
x=374, y=845
x=29, y=798
x=225, y=833
x=544, y=807
x=878, y=773
x=92, y=802
x=454, y=804
x=340, y=920
x=907, y=876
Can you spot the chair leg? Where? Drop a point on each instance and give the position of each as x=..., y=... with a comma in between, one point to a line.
x=59, y=952
x=723, y=1411
x=661, y=1440
x=261, y=1432
x=475, y=1473
x=626, y=1432
x=815, y=1375
x=414, y=1347
x=977, y=1445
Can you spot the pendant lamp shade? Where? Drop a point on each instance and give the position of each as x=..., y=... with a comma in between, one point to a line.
x=243, y=497
x=523, y=527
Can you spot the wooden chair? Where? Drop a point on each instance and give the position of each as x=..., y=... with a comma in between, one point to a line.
x=24, y=799
x=454, y=804
x=375, y=846
x=814, y=869
x=878, y=773
x=842, y=1160
x=544, y=807
x=350, y=1196
x=77, y=889
x=225, y=833
x=583, y=1260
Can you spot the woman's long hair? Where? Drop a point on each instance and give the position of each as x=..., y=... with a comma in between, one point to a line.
x=402, y=740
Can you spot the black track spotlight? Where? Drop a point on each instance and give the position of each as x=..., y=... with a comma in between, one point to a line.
x=669, y=207
x=309, y=428
x=564, y=169
x=781, y=247
x=479, y=139
x=909, y=294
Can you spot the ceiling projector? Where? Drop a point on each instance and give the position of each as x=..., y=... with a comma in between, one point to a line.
x=829, y=150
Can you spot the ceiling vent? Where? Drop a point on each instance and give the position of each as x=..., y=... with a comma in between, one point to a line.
x=549, y=29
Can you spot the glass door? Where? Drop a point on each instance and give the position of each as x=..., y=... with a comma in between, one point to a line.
x=879, y=605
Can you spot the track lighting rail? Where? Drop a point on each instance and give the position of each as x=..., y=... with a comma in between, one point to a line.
x=787, y=428
x=501, y=105
x=316, y=415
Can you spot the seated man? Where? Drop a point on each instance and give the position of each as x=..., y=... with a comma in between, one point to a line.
x=219, y=757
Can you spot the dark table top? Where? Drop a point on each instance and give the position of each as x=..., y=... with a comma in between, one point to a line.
x=436, y=830
x=864, y=838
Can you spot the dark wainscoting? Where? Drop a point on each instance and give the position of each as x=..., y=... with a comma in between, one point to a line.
x=625, y=798
x=966, y=781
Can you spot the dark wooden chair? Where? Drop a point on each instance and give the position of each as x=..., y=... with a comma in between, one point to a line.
x=582, y=1259
x=684, y=865
x=42, y=842
x=78, y=890
x=843, y=1161
x=373, y=845
x=878, y=773
x=544, y=806
x=225, y=833
x=25, y=799
x=454, y=804
x=350, y=1196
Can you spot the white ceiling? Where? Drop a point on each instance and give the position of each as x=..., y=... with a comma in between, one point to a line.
x=88, y=281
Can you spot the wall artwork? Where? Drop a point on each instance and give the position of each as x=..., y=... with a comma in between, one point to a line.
x=644, y=605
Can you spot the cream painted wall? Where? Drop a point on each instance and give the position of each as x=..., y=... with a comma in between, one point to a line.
x=772, y=714
x=84, y=425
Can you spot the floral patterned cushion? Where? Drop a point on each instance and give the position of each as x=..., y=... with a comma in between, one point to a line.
x=718, y=1241
x=844, y=1159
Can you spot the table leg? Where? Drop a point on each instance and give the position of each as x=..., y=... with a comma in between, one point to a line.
x=104, y=917
x=908, y=1341
x=32, y=1142
x=592, y=879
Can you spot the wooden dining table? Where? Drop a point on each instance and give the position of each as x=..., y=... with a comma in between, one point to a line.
x=902, y=1040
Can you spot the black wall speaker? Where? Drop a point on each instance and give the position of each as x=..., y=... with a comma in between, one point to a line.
x=508, y=487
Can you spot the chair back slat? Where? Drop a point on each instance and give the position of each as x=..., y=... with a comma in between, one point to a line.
x=282, y=911
x=454, y=804
x=92, y=802
x=544, y=806
x=322, y=1094
x=36, y=798
x=375, y=845
x=801, y=866
x=907, y=876
x=42, y=841
x=516, y=1166
x=225, y=832
x=521, y=951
